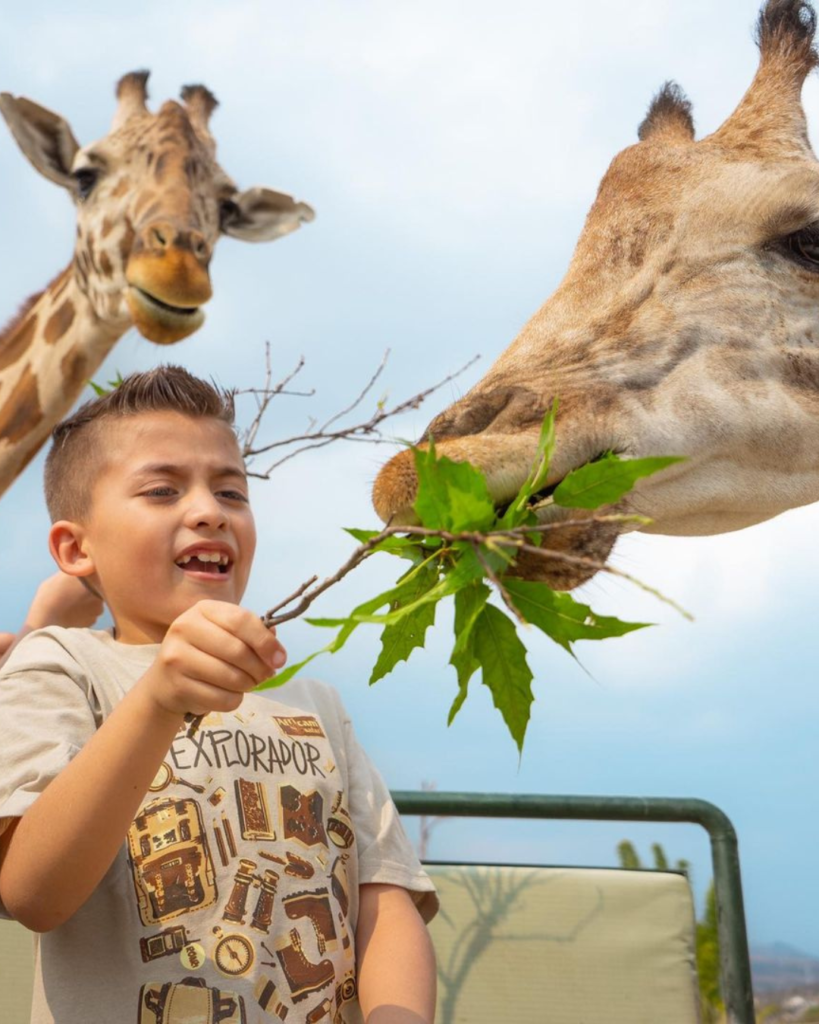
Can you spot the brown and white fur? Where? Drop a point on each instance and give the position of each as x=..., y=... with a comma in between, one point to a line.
x=151, y=203
x=687, y=324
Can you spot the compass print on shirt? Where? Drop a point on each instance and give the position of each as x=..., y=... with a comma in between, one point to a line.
x=234, y=955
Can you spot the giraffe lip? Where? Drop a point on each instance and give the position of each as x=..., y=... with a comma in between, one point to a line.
x=158, y=320
x=152, y=300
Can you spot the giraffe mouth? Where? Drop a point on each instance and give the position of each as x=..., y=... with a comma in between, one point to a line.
x=161, y=321
x=152, y=300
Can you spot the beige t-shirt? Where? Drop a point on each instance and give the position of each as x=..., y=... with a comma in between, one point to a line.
x=234, y=898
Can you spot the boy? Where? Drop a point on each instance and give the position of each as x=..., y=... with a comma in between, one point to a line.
x=254, y=872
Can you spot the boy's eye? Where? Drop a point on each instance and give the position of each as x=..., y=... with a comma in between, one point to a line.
x=234, y=496
x=159, y=492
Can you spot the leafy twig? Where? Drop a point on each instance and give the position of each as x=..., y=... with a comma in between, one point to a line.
x=462, y=542
x=511, y=538
x=270, y=618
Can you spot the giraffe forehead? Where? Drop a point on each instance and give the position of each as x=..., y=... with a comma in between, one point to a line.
x=151, y=146
x=706, y=191
x=154, y=167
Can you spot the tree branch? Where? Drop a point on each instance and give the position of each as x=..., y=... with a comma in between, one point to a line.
x=318, y=436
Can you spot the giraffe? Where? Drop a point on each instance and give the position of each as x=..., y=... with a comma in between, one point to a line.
x=151, y=203
x=687, y=324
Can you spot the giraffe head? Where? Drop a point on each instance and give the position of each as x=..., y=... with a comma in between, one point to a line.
x=151, y=203
x=687, y=324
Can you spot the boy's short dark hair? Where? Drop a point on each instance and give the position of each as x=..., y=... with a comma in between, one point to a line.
x=78, y=452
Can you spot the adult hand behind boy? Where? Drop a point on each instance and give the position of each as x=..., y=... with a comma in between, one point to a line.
x=212, y=655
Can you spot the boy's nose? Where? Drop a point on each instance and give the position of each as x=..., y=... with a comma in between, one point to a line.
x=205, y=510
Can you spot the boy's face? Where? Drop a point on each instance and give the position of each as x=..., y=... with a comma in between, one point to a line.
x=174, y=489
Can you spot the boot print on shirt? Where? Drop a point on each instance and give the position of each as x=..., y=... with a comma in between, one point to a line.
x=303, y=976
x=316, y=907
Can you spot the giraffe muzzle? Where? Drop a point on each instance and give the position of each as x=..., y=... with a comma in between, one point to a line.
x=167, y=284
x=160, y=321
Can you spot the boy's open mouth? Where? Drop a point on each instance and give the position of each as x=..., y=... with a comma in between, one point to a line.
x=213, y=563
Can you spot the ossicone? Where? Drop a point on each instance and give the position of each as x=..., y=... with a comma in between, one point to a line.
x=669, y=117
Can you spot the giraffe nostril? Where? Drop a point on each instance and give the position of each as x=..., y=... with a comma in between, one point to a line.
x=160, y=237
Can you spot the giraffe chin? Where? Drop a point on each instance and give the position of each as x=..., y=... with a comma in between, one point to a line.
x=159, y=322
x=570, y=556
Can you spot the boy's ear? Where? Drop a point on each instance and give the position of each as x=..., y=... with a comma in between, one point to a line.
x=66, y=542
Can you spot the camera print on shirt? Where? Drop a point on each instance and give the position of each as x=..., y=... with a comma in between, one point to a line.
x=246, y=880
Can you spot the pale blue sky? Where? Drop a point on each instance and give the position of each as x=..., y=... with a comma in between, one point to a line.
x=451, y=152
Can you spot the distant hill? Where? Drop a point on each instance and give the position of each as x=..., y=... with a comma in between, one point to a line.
x=778, y=966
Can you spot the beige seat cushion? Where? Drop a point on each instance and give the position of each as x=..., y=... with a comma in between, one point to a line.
x=564, y=946
x=17, y=971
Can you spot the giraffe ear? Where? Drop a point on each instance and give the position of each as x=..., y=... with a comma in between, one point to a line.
x=43, y=136
x=262, y=215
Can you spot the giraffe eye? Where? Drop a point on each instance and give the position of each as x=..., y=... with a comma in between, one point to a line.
x=86, y=179
x=803, y=246
x=228, y=212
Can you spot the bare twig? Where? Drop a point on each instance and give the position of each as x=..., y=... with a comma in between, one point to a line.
x=319, y=436
x=264, y=396
x=366, y=390
x=287, y=600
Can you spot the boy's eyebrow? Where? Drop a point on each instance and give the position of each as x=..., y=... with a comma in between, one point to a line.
x=171, y=469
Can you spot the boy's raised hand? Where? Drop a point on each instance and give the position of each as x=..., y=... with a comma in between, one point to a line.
x=212, y=655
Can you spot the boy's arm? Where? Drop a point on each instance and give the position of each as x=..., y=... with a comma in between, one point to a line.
x=396, y=962
x=61, y=848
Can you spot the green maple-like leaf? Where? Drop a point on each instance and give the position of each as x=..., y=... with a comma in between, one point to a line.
x=561, y=617
x=406, y=589
x=517, y=512
x=404, y=547
x=399, y=639
x=469, y=603
x=465, y=570
x=606, y=481
x=502, y=656
x=99, y=390
x=451, y=495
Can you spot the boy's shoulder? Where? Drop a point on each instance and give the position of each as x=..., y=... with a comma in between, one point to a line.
x=41, y=647
x=73, y=640
x=89, y=657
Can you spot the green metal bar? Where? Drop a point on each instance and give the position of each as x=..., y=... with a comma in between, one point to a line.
x=735, y=963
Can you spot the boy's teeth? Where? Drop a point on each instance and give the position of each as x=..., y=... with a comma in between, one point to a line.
x=205, y=556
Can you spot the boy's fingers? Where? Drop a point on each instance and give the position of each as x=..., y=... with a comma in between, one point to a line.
x=249, y=628
x=202, y=668
x=211, y=636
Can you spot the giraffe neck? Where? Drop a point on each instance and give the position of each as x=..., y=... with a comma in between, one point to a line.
x=47, y=354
